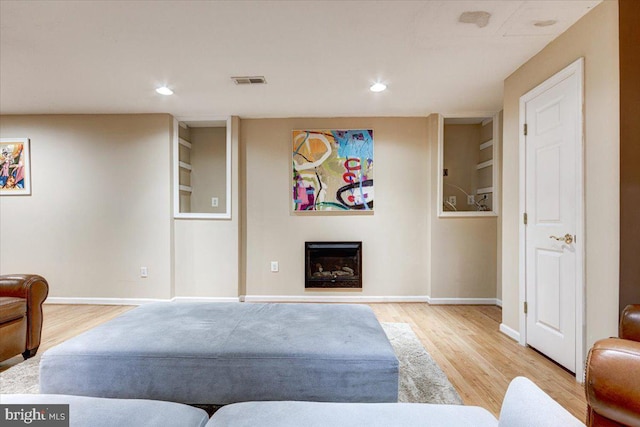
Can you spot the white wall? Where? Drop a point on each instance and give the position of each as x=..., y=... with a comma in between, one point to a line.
x=206, y=251
x=395, y=238
x=209, y=175
x=101, y=209
x=594, y=37
x=463, y=250
x=100, y=205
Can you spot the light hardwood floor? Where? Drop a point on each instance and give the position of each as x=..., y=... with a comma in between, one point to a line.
x=465, y=341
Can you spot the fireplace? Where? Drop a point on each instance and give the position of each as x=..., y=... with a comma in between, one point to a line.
x=333, y=265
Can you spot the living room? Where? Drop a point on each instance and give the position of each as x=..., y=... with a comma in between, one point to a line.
x=102, y=199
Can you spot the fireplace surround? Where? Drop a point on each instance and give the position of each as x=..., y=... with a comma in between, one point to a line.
x=333, y=265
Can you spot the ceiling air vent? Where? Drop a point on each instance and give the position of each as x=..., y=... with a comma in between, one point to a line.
x=249, y=80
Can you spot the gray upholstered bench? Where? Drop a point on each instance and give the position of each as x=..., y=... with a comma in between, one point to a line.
x=99, y=412
x=220, y=353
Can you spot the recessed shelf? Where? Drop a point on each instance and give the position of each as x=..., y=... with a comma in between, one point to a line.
x=485, y=164
x=186, y=188
x=185, y=165
x=487, y=144
x=184, y=142
x=484, y=190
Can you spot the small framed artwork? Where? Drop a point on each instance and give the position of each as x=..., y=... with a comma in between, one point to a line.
x=15, y=167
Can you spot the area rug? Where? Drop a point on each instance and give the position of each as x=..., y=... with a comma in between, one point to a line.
x=421, y=379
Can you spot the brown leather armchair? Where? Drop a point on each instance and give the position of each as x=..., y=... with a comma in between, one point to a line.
x=21, y=298
x=612, y=376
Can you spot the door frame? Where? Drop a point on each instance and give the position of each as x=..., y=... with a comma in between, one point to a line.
x=574, y=69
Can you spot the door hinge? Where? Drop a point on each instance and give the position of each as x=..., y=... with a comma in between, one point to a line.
x=525, y=218
x=525, y=129
x=526, y=308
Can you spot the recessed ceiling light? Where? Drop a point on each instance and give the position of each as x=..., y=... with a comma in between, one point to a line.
x=164, y=91
x=547, y=23
x=378, y=87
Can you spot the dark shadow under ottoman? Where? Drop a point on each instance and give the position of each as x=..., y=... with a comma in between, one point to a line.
x=219, y=353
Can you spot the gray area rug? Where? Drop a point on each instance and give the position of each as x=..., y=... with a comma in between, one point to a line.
x=421, y=379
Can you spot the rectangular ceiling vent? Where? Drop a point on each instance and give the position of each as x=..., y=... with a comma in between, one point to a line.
x=249, y=80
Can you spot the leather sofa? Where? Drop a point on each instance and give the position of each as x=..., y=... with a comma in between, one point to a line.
x=21, y=298
x=612, y=376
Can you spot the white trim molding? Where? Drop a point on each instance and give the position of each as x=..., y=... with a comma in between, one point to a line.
x=463, y=301
x=334, y=298
x=205, y=299
x=281, y=298
x=511, y=333
x=135, y=301
x=102, y=301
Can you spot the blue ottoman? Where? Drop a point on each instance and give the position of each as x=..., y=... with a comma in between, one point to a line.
x=220, y=353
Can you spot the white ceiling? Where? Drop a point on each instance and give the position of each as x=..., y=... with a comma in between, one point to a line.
x=319, y=57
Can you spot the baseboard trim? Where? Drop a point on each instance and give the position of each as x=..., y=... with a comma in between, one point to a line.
x=463, y=301
x=280, y=298
x=334, y=298
x=134, y=301
x=513, y=334
x=102, y=301
x=205, y=299
x=499, y=302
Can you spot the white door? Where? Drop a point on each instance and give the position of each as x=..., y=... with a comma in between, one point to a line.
x=553, y=204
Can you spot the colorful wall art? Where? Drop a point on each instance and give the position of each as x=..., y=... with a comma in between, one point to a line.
x=332, y=170
x=14, y=167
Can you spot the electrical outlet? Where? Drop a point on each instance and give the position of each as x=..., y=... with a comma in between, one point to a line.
x=144, y=272
x=471, y=200
x=274, y=266
x=452, y=200
x=214, y=202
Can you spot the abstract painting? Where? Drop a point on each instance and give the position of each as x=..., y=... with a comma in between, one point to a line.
x=332, y=170
x=14, y=167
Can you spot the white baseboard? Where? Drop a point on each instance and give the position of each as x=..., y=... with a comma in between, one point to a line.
x=515, y=335
x=280, y=298
x=463, y=301
x=499, y=302
x=205, y=299
x=134, y=301
x=334, y=298
x=102, y=301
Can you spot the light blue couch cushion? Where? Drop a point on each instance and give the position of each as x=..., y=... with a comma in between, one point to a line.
x=218, y=353
x=526, y=405
x=316, y=414
x=97, y=412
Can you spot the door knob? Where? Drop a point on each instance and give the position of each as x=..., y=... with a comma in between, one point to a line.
x=567, y=238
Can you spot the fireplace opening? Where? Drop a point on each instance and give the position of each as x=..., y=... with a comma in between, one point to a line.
x=333, y=265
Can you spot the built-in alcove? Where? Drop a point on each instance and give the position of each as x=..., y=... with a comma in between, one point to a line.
x=202, y=169
x=468, y=160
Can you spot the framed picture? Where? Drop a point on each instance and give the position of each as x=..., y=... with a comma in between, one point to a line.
x=332, y=170
x=15, y=167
